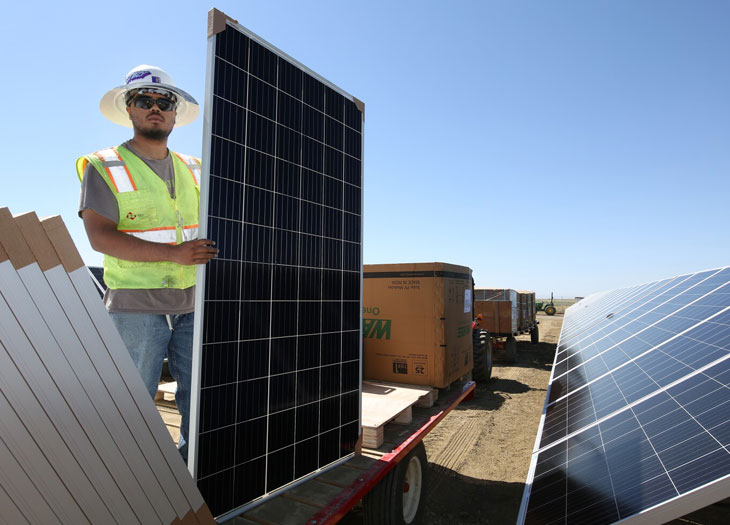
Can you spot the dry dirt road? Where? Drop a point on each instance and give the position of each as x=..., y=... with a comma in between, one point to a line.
x=480, y=454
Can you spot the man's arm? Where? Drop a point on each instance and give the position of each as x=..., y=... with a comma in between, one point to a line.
x=105, y=238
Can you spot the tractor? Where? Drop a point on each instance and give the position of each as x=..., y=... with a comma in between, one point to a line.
x=548, y=308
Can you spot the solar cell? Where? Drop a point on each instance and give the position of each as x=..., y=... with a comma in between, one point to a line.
x=636, y=423
x=277, y=358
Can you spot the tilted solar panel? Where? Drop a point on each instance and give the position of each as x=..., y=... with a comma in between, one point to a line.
x=277, y=361
x=636, y=425
x=97, y=277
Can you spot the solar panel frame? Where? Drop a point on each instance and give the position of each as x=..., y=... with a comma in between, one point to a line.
x=690, y=425
x=219, y=22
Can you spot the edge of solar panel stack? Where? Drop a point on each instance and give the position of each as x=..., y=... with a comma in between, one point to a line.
x=81, y=439
x=346, y=237
x=636, y=422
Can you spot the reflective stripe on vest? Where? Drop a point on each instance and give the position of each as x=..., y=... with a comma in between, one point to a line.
x=165, y=235
x=117, y=170
x=193, y=166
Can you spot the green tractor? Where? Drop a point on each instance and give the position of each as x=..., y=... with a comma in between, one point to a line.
x=548, y=308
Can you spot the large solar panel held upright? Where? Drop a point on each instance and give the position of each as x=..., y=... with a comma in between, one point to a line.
x=277, y=362
x=636, y=425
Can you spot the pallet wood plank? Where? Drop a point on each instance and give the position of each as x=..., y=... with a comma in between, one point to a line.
x=313, y=493
x=381, y=402
x=339, y=476
x=281, y=511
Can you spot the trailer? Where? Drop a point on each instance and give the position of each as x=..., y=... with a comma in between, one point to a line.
x=387, y=479
x=504, y=314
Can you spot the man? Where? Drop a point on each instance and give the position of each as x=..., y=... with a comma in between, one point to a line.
x=139, y=203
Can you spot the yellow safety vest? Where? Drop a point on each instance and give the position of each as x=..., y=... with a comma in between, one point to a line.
x=147, y=212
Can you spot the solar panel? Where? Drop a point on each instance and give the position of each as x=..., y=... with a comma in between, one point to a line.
x=97, y=277
x=80, y=438
x=636, y=424
x=278, y=344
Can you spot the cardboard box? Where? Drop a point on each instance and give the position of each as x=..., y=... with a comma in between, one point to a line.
x=526, y=300
x=509, y=320
x=496, y=316
x=417, y=323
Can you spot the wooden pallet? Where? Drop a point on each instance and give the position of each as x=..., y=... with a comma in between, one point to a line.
x=166, y=391
x=383, y=403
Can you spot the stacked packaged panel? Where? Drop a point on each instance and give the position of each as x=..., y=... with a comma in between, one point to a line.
x=526, y=300
x=499, y=308
x=80, y=439
x=417, y=323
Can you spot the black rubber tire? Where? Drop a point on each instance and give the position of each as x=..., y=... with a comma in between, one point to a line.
x=510, y=350
x=550, y=310
x=384, y=504
x=482, y=345
x=535, y=335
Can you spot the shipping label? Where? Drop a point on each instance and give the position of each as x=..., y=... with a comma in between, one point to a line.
x=400, y=367
x=405, y=284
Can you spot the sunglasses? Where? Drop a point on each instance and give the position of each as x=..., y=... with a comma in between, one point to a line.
x=164, y=104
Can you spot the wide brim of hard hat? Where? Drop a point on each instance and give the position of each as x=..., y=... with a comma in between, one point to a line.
x=112, y=104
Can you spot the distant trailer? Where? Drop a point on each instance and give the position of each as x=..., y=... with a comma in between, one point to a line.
x=505, y=313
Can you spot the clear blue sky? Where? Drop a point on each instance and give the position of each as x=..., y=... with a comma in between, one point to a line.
x=564, y=146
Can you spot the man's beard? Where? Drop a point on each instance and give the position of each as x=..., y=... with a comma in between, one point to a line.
x=153, y=133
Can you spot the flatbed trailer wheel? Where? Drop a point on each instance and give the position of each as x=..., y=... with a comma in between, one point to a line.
x=535, y=335
x=397, y=498
x=482, y=356
x=510, y=349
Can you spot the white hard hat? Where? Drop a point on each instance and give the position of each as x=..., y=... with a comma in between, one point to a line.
x=113, y=105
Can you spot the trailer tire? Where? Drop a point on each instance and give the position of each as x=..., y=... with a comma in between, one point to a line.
x=482, y=356
x=550, y=310
x=535, y=335
x=510, y=350
x=398, y=498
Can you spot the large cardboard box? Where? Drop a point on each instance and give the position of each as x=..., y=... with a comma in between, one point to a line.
x=417, y=323
x=496, y=316
x=527, y=309
x=509, y=321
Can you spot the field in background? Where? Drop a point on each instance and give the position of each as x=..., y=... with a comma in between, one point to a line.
x=560, y=304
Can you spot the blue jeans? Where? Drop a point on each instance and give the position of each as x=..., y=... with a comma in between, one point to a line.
x=148, y=339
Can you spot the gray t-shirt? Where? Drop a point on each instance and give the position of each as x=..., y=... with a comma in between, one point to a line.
x=97, y=196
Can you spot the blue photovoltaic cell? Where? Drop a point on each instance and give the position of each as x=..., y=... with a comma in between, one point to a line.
x=279, y=350
x=639, y=412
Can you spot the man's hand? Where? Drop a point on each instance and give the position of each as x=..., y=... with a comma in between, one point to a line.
x=105, y=238
x=199, y=251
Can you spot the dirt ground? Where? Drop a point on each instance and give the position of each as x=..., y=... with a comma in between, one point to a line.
x=480, y=454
